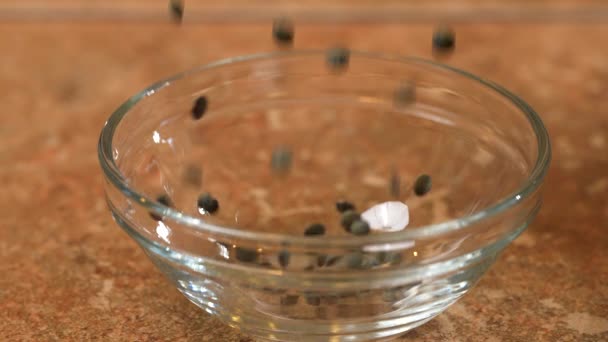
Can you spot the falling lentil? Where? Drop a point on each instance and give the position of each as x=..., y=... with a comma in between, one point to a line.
x=283, y=31
x=343, y=206
x=208, y=203
x=338, y=58
x=443, y=39
x=281, y=159
x=199, y=107
x=176, y=9
x=422, y=185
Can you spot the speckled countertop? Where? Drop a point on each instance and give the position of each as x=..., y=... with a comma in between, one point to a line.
x=69, y=273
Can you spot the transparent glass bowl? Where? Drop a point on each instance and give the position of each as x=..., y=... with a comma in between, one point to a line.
x=283, y=138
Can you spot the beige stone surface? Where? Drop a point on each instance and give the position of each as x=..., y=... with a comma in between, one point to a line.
x=68, y=273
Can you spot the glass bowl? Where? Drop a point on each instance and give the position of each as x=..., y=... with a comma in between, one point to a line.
x=233, y=178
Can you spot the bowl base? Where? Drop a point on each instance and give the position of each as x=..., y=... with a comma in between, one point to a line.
x=427, y=301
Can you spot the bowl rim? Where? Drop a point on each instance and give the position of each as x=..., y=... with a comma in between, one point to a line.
x=532, y=183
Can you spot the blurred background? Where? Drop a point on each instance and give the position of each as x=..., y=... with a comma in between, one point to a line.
x=70, y=274
x=311, y=10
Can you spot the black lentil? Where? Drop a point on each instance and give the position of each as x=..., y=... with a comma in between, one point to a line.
x=395, y=258
x=266, y=264
x=330, y=299
x=355, y=260
x=372, y=262
x=156, y=217
x=273, y=290
x=193, y=175
x=359, y=227
x=289, y=300
x=246, y=255
x=321, y=260
x=348, y=217
x=422, y=185
x=284, y=257
x=313, y=300
x=333, y=260
x=315, y=229
x=395, y=185
x=405, y=94
x=321, y=313
x=176, y=9
x=281, y=159
x=199, y=107
x=391, y=258
x=164, y=200
x=208, y=203
x=443, y=39
x=389, y=296
x=283, y=31
x=363, y=294
x=338, y=58
x=343, y=206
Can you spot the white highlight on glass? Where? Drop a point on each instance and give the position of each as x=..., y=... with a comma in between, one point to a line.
x=163, y=231
x=388, y=216
x=159, y=140
x=389, y=247
x=224, y=251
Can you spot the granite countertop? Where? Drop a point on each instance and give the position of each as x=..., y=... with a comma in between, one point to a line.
x=69, y=273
